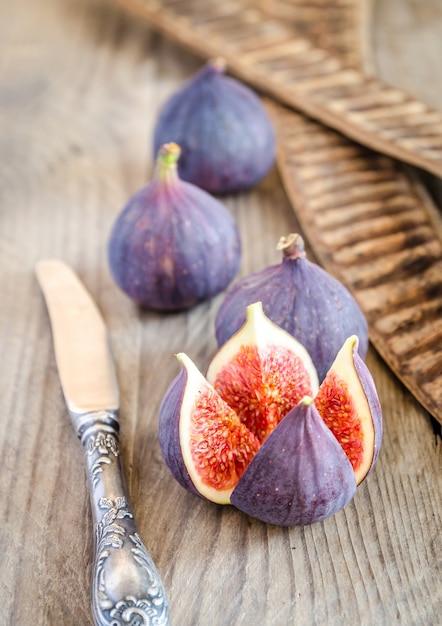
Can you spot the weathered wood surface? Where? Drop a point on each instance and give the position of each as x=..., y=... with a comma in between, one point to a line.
x=80, y=86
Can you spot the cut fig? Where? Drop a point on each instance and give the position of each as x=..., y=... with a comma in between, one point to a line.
x=348, y=404
x=262, y=372
x=259, y=435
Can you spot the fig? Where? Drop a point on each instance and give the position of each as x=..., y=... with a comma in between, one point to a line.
x=173, y=245
x=258, y=433
x=303, y=299
x=226, y=137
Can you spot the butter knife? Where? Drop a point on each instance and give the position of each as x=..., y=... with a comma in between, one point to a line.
x=127, y=588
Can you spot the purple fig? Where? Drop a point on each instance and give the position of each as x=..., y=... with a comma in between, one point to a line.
x=173, y=245
x=225, y=134
x=303, y=299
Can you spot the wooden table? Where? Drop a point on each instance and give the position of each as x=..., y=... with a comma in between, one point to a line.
x=81, y=83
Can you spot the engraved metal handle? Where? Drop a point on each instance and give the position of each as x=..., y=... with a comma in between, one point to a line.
x=127, y=588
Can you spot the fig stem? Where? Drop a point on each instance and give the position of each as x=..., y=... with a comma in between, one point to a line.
x=167, y=159
x=292, y=246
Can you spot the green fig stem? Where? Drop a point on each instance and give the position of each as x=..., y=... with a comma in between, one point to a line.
x=292, y=246
x=166, y=165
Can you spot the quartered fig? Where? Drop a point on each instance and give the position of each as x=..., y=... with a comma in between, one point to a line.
x=258, y=434
x=226, y=136
x=303, y=299
x=173, y=245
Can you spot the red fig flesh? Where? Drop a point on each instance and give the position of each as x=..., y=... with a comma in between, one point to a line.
x=236, y=442
x=263, y=373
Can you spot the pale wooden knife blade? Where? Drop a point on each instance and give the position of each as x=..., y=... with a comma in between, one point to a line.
x=82, y=351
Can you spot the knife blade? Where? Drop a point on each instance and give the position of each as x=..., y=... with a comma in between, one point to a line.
x=126, y=584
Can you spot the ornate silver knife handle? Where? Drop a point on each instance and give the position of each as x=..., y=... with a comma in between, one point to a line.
x=127, y=589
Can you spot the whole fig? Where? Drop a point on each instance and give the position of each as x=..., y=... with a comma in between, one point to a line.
x=173, y=245
x=259, y=434
x=225, y=134
x=303, y=299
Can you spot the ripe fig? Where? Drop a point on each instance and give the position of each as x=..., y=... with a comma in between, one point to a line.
x=303, y=299
x=261, y=436
x=173, y=245
x=226, y=137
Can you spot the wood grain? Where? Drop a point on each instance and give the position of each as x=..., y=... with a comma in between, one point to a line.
x=81, y=83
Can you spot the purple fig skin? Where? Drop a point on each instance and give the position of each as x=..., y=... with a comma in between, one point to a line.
x=173, y=246
x=369, y=388
x=227, y=140
x=299, y=476
x=168, y=432
x=303, y=299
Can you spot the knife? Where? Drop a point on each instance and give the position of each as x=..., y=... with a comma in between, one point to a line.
x=126, y=588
